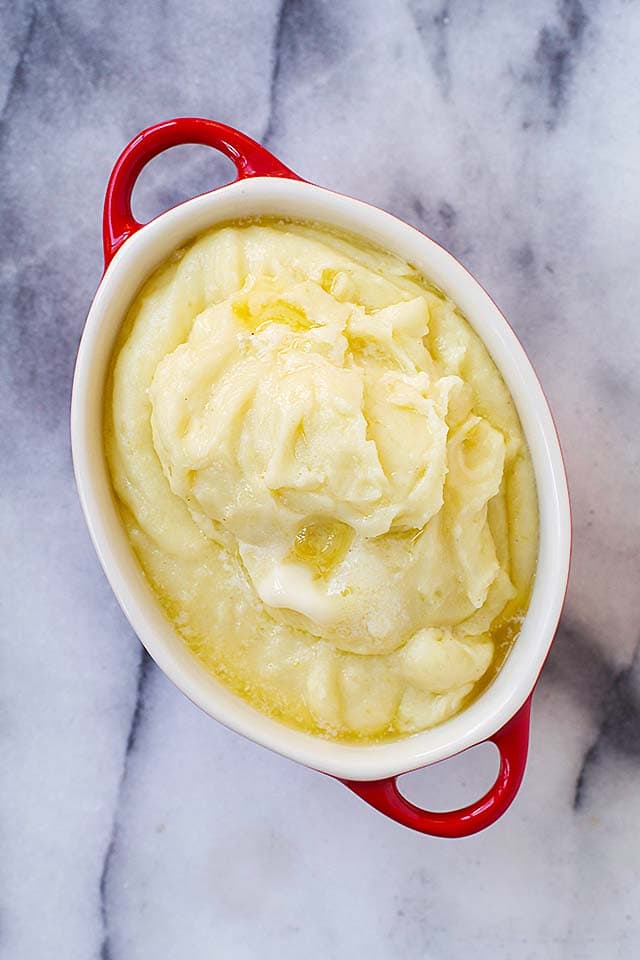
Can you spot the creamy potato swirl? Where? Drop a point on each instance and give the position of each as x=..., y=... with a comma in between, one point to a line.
x=324, y=478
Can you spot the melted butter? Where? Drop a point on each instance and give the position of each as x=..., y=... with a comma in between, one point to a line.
x=504, y=632
x=286, y=313
x=339, y=284
x=322, y=544
x=262, y=306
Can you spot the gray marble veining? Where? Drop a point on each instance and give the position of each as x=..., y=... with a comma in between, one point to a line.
x=131, y=825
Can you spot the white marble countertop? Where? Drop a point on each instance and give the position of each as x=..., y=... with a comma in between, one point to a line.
x=134, y=827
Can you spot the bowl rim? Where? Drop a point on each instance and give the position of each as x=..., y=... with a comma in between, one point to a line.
x=297, y=199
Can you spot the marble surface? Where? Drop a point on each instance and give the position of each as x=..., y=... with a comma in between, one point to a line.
x=134, y=827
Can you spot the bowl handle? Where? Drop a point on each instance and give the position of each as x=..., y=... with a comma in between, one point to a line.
x=250, y=159
x=513, y=743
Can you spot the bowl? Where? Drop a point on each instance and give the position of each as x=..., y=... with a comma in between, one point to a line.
x=265, y=187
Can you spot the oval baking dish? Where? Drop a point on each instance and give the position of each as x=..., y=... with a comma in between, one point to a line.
x=266, y=188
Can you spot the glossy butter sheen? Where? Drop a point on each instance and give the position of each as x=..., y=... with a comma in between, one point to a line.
x=323, y=476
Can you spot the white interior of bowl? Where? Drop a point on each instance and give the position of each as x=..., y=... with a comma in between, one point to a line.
x=296, y=199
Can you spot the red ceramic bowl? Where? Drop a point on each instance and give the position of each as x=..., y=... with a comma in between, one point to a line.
x=265, y=187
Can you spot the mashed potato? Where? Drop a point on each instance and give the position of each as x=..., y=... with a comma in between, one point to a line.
x=324, y=478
